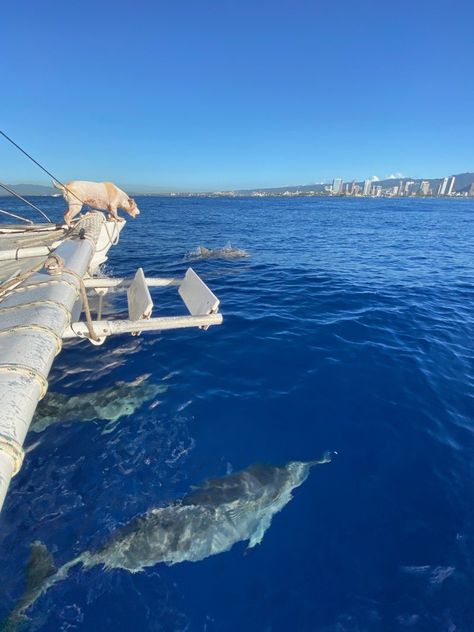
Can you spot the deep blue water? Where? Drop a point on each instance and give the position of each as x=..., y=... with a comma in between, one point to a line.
x=349, y=327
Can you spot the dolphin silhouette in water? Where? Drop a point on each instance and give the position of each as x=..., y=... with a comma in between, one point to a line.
x=109, y=404
x=209, y=520
x=227, y=252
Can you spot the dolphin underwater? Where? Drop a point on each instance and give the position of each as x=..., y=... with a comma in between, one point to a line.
x=207, y=521
x=109, y=404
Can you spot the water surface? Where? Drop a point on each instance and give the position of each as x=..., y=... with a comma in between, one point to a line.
x=348, y=327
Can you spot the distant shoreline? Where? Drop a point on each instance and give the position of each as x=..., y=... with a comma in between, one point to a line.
x=233, y=196
x=460, y=185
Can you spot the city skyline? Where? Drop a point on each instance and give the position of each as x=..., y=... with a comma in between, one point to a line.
x=449, y=186
x=459, y=185
x=406, y=187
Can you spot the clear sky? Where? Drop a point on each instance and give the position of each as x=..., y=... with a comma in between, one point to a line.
x=201, y=94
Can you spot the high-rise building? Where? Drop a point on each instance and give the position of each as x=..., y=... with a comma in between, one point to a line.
x=337, y=186
x=424, y=187
x=408, y=187
x=442, y=186
x=451, y=182
x=367, y=187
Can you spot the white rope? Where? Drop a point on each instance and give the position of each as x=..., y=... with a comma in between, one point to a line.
x=54, y=265
x=4, y=287
x=12, y=283
x=40, y=303
x=34, y=286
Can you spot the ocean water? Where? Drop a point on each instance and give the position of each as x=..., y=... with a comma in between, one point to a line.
x=348, y=327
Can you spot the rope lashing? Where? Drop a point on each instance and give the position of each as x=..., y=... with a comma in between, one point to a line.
x=28, y=372
x=14, y=450
x=11, y=283
x=19, y=329
x=38, y=303
x=34, y=286
x=54, y=265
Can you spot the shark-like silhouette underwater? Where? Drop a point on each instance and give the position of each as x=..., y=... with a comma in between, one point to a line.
x=209, y=520
x=107, y=404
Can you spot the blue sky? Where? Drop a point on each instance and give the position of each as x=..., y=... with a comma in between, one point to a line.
x=200, y=95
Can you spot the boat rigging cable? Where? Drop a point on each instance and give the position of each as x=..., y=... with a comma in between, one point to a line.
x=23, y=151
x=17, y=195
x=10, y=140
x=23, y=219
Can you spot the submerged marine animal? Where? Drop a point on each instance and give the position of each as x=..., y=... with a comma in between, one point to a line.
x=227, y=252
x=209, y=520
x=110, y=403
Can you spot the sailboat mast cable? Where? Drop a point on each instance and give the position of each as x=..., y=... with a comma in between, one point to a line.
x=23, y=151
x=23, y=219
x=17, y=195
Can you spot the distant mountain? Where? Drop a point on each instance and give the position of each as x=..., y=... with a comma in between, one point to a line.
x=317, y=188
x=38, y=189
x=463, y=181
x=28, y=189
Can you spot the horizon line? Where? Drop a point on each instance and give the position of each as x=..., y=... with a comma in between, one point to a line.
x=157, y=189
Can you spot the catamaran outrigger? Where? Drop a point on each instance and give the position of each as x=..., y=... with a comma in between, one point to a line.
x=46, y=272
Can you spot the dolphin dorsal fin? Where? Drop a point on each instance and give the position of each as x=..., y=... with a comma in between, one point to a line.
x=40, y=566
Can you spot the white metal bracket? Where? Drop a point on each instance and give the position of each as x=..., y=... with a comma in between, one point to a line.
x=140, y=305
x=202, y=305
x=197, y=297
